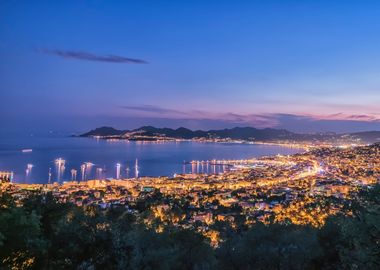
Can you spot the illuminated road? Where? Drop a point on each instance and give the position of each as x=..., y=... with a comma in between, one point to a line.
x=309, y=172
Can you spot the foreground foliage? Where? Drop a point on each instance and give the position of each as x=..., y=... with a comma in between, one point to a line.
x=45, y=234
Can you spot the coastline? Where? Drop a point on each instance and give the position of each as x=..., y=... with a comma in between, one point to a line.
x=109, y=161
x=221, y=141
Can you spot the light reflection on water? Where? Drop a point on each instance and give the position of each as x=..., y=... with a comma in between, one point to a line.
x=69, y=158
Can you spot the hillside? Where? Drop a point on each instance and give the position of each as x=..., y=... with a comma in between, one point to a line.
x=237, y=133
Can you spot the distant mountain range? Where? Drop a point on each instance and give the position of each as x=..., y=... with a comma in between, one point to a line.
x=237, y=133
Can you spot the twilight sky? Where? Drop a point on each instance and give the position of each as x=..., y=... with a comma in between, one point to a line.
x=302, y=65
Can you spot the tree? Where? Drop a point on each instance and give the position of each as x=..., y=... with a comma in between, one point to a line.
x=271, y=247
x=171, y=249
x=361, y=233
x=20, y=238
x=82, y=238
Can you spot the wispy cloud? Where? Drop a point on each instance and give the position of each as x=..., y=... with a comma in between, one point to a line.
x=348, y=117
x=153, y=109
x=297, y=122
x=241, y=119
x=86, y=56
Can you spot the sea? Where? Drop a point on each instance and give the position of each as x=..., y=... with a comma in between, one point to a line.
x=63, y=158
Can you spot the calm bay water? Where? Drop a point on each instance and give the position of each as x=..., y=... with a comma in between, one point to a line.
x=154, y=159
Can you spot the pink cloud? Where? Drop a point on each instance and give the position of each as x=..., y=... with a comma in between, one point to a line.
x=259, y=120
x=344, y=116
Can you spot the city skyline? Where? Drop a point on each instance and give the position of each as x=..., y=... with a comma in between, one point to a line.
x=200, y=64
x=207, y=134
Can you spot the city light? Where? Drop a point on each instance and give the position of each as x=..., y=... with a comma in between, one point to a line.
x=118, y=166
